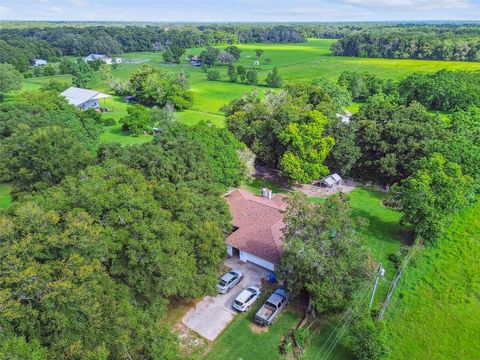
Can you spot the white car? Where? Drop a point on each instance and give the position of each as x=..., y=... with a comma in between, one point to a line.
x=229, y=280
x=246, y=298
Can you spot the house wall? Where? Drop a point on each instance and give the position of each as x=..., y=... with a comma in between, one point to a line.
x=229, y=250
x=245, y=256
x=89, y=104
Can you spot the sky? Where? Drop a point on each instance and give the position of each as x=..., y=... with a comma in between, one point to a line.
x=240, y=10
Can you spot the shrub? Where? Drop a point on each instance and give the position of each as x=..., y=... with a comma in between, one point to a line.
x=367, y=339
x=109, y=122
x=49, y=71
x=274, y=79
x=252, y=77
x=213, y=76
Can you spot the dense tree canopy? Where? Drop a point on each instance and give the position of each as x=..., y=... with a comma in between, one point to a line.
x=10, y=78
x=390, y=137
x=40, y=108
x=306, y=149
x=153, y=87
x=201, y=156
x=461, y=144
x=40, y=144
x=361, y=85
x=401, y=44
x=83, y=76
x=285, y=130
x=436, y=189
x=324, y=253
x=41, y=158
x=94, y=259
x=444, y=90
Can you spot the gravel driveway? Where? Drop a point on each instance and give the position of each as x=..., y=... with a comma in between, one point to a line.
x=213, y=313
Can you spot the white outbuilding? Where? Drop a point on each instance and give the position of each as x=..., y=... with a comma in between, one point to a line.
x=332, y=181
x=86, y=99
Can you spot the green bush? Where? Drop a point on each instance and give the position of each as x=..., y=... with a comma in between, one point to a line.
x=213, y=76
x=367, y=338
x=109, y=122
x=252, y=77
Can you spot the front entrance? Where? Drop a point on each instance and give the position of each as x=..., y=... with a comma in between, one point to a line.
x=235, y=253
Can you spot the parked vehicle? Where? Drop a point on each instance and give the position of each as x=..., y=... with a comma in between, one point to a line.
x=272, y=307
x=229, y=280
x=246, y=298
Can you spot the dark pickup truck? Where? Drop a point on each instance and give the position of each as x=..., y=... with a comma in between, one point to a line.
x=272, y=307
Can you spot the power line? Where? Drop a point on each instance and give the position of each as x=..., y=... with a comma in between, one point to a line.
x=343, y=328
x=345, y=320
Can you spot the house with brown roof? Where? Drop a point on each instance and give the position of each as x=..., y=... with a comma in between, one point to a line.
x=258, y=224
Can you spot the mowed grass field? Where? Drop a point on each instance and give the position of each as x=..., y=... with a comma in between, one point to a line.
x=296, y=62
x=435, y=312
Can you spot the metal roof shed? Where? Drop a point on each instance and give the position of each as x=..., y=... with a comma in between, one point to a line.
x=84, y=98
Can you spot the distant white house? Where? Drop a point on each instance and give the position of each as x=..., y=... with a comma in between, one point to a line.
x=86, y=99
x=106, y=59
x=38, y=62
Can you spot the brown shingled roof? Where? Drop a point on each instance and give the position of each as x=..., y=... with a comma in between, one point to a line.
x=259, y=221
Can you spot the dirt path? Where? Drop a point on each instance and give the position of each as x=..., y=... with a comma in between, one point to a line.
x=318, y=191
x=308, y=189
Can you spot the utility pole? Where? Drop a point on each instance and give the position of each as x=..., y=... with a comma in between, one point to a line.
x=380, y=273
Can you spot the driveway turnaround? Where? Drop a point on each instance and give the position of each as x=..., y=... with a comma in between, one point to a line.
x=213, y=313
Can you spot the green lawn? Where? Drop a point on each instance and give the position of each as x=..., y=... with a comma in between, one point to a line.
x=383, y=233
x=435, y=311
x=257, y=184
x=5, y=198
x=238, y=341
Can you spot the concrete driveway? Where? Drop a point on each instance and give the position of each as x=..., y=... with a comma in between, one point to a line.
x=213, y=313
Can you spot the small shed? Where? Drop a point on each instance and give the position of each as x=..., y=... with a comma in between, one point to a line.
x=86, y=99
x=332, y=181
x=39, y=62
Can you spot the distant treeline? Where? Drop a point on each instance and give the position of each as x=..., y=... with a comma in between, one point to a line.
x=460, y=45
x=21, y=42
x=19, y=45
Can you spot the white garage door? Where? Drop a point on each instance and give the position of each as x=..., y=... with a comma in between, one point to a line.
x=245, y=256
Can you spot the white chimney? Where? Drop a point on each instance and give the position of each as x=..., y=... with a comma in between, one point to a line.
x=266, y=193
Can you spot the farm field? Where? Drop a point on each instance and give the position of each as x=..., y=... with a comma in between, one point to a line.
x=296, y=62
x=435, y=311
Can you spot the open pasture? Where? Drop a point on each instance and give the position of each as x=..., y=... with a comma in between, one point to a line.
x=296, y=63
